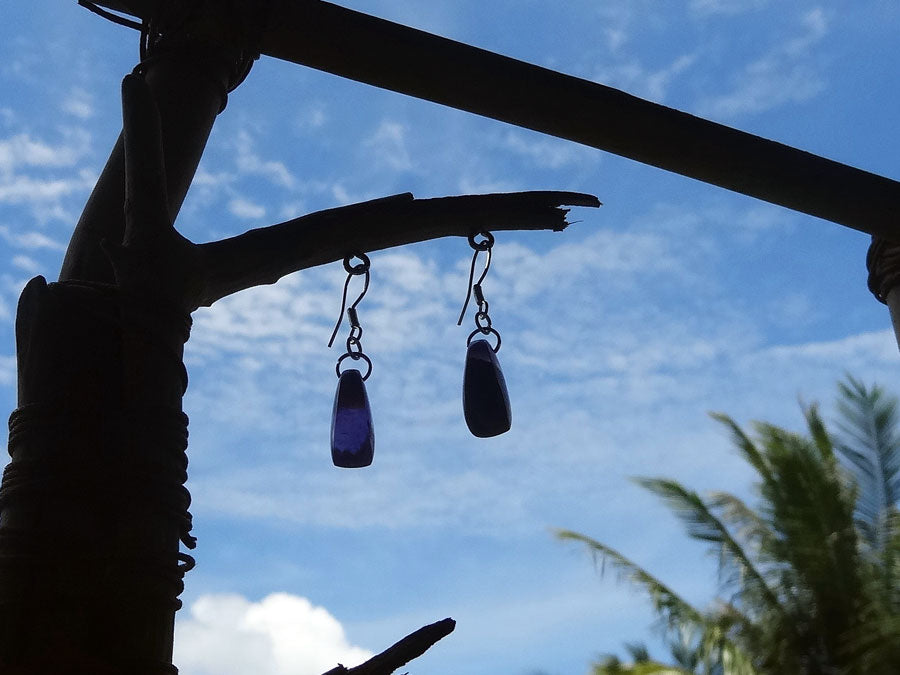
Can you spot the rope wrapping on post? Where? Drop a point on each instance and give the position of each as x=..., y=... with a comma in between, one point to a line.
x=126, y=477
x=883, y=264
x=229, y=29
x=93, y=504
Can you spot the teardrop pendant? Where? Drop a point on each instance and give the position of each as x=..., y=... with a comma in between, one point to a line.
x=485, y=399
x=352, y=431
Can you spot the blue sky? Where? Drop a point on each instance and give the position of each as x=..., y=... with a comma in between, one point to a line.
x=619, y=335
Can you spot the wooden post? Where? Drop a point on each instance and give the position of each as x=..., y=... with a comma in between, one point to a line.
x=93, y=503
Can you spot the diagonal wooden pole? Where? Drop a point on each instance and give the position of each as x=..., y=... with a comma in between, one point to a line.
x=392, y=56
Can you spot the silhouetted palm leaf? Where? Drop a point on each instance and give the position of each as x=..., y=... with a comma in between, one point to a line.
x=669, y=605
x=811, y=573
x=869, y=440
x=702, y=524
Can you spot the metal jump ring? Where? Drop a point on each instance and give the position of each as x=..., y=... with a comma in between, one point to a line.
x=481, y=245
x=361, y=268
x=478, y=331
x=357, y=357
x=483, y=321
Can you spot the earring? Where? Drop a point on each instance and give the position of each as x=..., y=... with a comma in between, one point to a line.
x=485, y=398
x=352, y=432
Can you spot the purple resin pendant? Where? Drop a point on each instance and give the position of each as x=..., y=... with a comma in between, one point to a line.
x=485, y=399
x=352, y=432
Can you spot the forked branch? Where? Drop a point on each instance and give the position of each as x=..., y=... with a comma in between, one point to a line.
x=397, y=655
x=153, y=258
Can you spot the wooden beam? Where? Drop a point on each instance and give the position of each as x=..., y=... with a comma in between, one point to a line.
x=392, y=56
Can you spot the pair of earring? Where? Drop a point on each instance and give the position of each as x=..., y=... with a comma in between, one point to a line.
x=485, y=398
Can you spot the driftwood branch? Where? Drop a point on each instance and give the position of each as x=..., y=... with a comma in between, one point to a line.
x=397, y=655
x=262, y=256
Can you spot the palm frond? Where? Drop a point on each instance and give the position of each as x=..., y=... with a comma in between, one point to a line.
x=811, y=511
x=813, y=569
x=873, y=647
x=638, y=652
x=869, y=441
x=745, y=445
x=746, y=523
x=703, y=524
x=673, y=609
x=820, y=436
x=645, y=668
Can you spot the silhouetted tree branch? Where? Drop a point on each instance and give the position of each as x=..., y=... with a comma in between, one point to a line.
x=399, y=654
x=264, y=255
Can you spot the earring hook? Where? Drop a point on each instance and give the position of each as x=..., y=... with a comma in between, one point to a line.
x=485, y=244
x=352, y=271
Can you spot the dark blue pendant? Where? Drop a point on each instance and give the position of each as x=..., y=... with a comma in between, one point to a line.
x=352, y=432
x=485, y=399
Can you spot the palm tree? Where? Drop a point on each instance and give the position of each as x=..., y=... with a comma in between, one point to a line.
x=809, y=576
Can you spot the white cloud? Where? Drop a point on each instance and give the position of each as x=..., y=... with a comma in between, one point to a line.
x=43, y=175
x=312, y=117
x=22, y=150
x=79, y=104
x=547, y=153
x=244, y=208
x=282, y=634
x=208, y=179
x=726, y=6
x=341, y=194
x=23, y=262
x=657, y=83
x=388, y=146
x=30, y=240
x=634, y=77
x=249, y=162
x=35, y=191
x=874, y=346
x=7, y=366
x=785, y=74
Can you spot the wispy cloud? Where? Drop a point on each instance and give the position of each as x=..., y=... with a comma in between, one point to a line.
x=312, y=117
x=29, y=240
x=248, y=161
x=546, y=153
x=245, y=208
x=726, y=6
x=79, y=103
x=26, y=264
x=787, y=73
x=634, y=77
x=387, y=146
x=7, y=363
x=46, y=177
x=22, y=150
x=35, y=191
